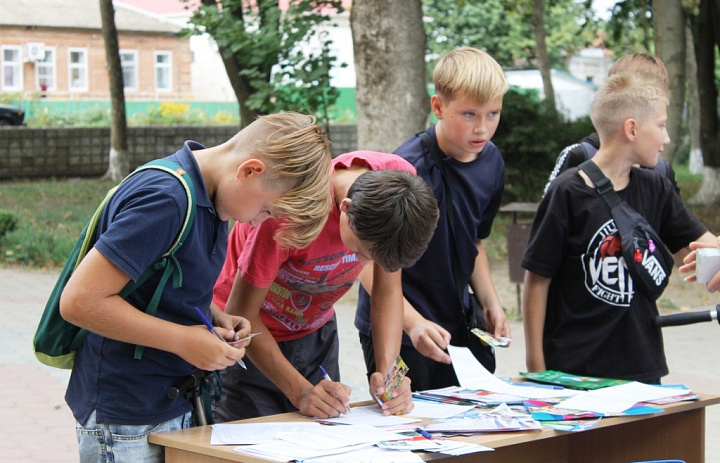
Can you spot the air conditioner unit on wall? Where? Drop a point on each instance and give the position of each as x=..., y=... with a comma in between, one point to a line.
x=34, y=51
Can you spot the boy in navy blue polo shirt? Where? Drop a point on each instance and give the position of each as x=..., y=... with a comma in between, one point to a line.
x=278, y=166
x=469, y=90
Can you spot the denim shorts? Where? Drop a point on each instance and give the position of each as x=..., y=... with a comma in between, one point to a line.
x=118, y=443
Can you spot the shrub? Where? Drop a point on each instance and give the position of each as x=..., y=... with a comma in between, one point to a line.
x=530, y=137
x=8, y=222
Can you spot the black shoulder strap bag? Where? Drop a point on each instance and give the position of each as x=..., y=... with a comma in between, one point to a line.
x=646, y=257
x=474, y=317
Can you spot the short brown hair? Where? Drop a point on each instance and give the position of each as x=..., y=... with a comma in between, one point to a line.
x=394, y=213
x=623, y=96
x=298, y=153
x=642, y=63
x=467, y=71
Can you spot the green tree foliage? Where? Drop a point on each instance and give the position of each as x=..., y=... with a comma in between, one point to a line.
x=630, y=29
x=263, y=45
x=530, y=138
x=501, y=28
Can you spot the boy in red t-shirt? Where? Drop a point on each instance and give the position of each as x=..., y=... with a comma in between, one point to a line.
x=384, y=215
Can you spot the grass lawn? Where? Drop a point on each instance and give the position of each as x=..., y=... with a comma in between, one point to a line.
x=51, y=213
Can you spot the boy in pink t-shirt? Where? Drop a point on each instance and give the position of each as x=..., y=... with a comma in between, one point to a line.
x=384, y=215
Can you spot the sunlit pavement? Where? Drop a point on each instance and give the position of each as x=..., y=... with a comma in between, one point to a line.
x=38, y=426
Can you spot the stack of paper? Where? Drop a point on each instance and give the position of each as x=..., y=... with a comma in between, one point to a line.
x=616, y=399
x=255, y=433
x=370, y=415
x=483, y=424
x=322, y=441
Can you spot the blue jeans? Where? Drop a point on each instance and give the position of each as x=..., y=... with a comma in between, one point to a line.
x=120, y=443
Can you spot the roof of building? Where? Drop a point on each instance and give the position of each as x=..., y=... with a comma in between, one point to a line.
x=79, y=14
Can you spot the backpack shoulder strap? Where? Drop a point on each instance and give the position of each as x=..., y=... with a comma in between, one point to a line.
x=184, y=178
x=432, y=147
x=168, y=263
x=603, y=185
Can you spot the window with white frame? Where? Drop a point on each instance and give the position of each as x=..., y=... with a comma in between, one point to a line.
x=163, y=71
x=77, y=69
x=11, y=68
x=45, y=70
x=128, y=62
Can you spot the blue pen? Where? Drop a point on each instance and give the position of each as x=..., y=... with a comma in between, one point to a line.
x=423, y=433
x=212, y=330
x=324, y=373
x=327, y=376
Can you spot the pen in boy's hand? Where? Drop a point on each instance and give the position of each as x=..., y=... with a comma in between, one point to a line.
x=210, y=326
x=245, y=338
x=324, y=373
x=327, y=376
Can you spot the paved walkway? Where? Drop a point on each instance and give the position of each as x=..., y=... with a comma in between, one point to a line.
x=37, y=425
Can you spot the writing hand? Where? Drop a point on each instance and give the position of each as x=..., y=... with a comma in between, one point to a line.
x=327, y=399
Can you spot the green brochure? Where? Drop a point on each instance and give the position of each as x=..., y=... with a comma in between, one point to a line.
x=571, y=381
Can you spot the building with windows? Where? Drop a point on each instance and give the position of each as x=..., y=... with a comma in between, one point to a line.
x=55, y=48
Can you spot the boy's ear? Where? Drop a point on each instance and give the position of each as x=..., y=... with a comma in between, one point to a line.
x=436, y=104
x=345, y=204
x=630, y=127
x=250, y=167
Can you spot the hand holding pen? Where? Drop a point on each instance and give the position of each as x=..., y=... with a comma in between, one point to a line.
x=327, y=377
x=212, y=329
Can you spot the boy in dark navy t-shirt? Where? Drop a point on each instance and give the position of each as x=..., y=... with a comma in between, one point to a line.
x=277, y=166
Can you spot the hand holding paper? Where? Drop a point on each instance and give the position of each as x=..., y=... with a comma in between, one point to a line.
x=703, y=262
x=392, y=392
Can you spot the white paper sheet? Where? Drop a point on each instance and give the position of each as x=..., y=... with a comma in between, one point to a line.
x=371, y=415
x=373, y=454
x=436, y=411
x=334, y=437
x=254, y=433
x=473, y=375
x=616, y=399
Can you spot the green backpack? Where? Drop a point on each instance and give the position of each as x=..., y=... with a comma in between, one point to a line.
x=56, y=340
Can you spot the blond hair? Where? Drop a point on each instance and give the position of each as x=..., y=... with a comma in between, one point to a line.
x=467, y=71
x=642, y=63
x=623, y=96
x=297, y=154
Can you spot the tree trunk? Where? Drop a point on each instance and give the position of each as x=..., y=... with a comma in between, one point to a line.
x=705, y=44
x=543, y=59
x=391, y=92
x=240, y=85
x=119, y=164
x=669, y=22
x=696, y=161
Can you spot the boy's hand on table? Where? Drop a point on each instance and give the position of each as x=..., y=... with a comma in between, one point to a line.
x=327, y=399
x=401, y=402
x=431, y=340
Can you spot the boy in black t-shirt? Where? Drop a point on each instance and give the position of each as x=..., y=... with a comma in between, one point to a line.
x=577, y=153
x=582, y=313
